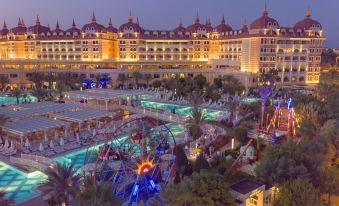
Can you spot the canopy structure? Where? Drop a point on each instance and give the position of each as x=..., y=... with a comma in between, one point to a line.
x=36, y=109
x=25, y=126
x=82, y=115
x=103, y=94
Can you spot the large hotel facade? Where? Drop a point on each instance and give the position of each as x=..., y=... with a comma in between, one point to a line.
x=199, y=48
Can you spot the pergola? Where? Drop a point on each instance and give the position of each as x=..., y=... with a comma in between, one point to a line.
x=26, y=126
x=82, y=115
x=36, y=109
x=105, y=95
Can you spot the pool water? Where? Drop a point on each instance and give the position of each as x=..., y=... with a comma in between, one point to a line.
x=209, y=114
x=12, y=100
x=19, y=185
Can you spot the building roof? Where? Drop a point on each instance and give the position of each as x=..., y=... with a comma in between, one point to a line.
x=25, y=126
x=307, y=23
x=94, y=26
x=246, y=186
x=264, y=21
x=82, y=115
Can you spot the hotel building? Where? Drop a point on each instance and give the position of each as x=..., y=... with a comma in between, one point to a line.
x=199, y=48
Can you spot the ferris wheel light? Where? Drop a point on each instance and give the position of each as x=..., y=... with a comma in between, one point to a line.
x=145, y=166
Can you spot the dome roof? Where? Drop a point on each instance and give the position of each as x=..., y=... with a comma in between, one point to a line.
x=307, y=23
x=196, y=26
x=208, y=25
x=94, y=26
x=20, y=29
x=4, y=30
x=73, y=29
x=180, y=27
x=110, y=27
x=223, y=27
x=38, y=28
x=264, y=22
x=130, y=25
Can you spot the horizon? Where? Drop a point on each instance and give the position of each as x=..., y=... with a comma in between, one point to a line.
x=157, y=15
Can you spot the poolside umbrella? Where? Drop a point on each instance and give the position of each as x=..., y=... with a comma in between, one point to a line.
x=6, y=144
x=94, y=132
x=41, y=147
x=27, y=144
x=51, y=144
x=78, y=138
x=1, y=140
x=56, y=136
x=46, y=139
x=12, y=145
x=89, y=127
x=61, y=141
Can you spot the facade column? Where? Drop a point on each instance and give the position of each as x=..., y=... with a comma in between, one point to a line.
x=66, y=128
x=106, y=103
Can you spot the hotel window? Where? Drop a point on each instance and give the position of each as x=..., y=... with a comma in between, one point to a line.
x=13, y=75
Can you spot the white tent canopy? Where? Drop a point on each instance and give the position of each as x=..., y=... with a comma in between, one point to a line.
x=26, y=126
x=82, y=115
x=103, y=94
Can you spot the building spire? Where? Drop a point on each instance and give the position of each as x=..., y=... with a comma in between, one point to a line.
x=181, y=24
x=265, y=13
x=4, y=25
x=19, y=22
x=223, y=19
x=137, y=21
x=130, y=17
x=57, y=25
x=22, y=22
x=110, y=22
x=208, y=21
x=37, y=20
x=308, y=12
x=73, y=23
x=245, y=23
x=94, y=19
x=197, y=19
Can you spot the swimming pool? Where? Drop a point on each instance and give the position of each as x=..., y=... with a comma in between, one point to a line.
x=12, y=100
x=18, y=185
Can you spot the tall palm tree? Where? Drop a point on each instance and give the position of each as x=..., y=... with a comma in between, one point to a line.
x=69, y=79
x=97, y=79
x=232, y=109
x=147, y=78
x=50, y=78
x=62, y=183
x=39, y=93
x=17, y=93
x=136, y=75
x=122, y=78
x=37, y=78
x=197, y=116
x=97, y=194
x=231, y=85
x=4, y=80
x=61, y=89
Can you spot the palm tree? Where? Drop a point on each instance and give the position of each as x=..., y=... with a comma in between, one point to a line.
x=97, y=194
x=50, y=78
x=39, y=93
x=37, y=78
x=147, y=78
x=62, y=183
x=61, y=89
x=122, y=78
x=4, y=80
x=69, y=79
x=232, y=109
x=197, y=116
x=97, y=79
x=136, y=75
x=231, y=85
x=17, y=93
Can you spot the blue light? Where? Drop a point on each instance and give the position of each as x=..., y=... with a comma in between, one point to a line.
x=152, y=184
x=289, y=104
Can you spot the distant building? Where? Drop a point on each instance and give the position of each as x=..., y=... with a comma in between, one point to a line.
x=252, y=193
x=259, y=47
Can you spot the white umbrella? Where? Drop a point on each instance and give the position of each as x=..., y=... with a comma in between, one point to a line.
x=94, y=132
x=61, y=141
x=12, y=145
x=46, y=138
x=89, y=127
x=6, y=144
x=27, y=144
x=41, y=147
x=51, y=144
x=1, y=140
x=78, y=138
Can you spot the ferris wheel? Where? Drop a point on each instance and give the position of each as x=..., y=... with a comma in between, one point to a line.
x=137, y=158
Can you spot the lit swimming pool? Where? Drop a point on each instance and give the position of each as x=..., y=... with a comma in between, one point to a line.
x=210, y=114
x=18, y=185
x=12, y=100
